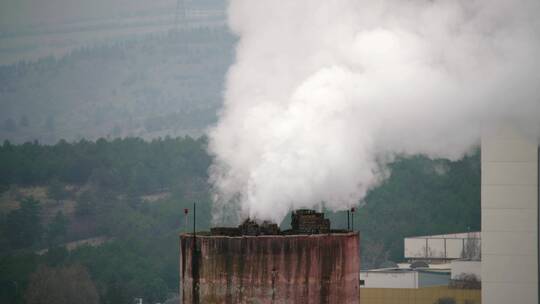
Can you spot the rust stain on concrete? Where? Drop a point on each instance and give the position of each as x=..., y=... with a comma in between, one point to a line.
x=320, y=268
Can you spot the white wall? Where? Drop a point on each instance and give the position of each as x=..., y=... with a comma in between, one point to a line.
x=509, y=219
x=446, y=246
x=406, y=279
x=403, y=279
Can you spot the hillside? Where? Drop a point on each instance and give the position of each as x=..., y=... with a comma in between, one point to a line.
x=155, y=85
x=129, y=195
x=421, y=197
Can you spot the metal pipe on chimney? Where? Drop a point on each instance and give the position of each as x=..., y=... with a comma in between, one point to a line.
x=348, y=221
x=194, y=217
x=352, y=217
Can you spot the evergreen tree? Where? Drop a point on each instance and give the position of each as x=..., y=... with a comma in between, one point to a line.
x=23, y=225
x=57, y=229
x=57, y=191
x=61, y=285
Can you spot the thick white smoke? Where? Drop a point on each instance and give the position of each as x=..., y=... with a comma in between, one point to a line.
x=324, y=93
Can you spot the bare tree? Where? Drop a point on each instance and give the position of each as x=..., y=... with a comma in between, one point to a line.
x=471, y=249
x=64, y=285
x=466, y=281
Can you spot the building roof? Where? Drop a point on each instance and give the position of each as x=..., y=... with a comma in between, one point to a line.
x=460, y=235
x=408, y=270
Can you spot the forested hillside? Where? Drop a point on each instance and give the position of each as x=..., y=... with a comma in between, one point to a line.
x=130, y=194
x=151, y=86
x=421, y=197
x=127, y=193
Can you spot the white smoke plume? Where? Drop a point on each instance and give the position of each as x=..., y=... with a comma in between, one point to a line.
x=324, y=93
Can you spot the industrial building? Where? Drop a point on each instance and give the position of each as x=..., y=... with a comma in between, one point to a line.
x=313, y=264
x=509, y=241
x=436, y=269
x=432, y=260
x=443, y=248
x=509, y=218
x=404, y=278
x=256, y=263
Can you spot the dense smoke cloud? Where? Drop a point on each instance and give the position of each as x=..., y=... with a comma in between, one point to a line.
x=324, y=93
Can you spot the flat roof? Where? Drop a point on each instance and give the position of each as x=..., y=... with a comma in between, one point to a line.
x=460, y=235
x=207, y=234
x=407, y=270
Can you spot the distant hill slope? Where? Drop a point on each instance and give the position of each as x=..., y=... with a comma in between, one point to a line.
x=421, y=197
x=154, y=86
x=134, y=193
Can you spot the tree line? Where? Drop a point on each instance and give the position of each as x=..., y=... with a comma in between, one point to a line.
x=127, y=164
x=109, y=179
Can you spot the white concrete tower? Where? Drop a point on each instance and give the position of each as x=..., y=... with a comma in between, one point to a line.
x=509, y=219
